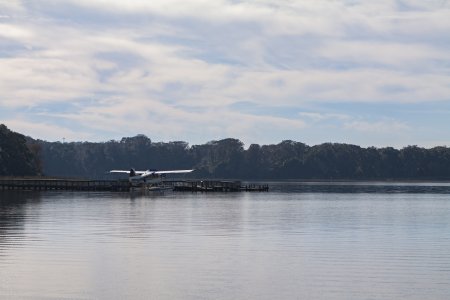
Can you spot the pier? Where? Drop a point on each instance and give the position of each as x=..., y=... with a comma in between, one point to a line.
x=60, y=184
x=45, y=184
x=217, y=186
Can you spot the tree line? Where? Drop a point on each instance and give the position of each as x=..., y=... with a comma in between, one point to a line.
x=225, y=158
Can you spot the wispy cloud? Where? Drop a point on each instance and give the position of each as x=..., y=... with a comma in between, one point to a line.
x=10, y=7
x=317, y=117
x=385, y=126
x=14, y=32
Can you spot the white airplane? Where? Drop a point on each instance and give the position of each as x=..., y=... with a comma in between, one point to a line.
x=148, y=176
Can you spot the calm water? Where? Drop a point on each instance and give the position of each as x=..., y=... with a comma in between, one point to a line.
x=299, y=241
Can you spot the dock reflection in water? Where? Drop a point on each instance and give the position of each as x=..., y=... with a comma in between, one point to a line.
x=300, y=244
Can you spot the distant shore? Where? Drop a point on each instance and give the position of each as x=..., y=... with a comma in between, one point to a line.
x=427, y=180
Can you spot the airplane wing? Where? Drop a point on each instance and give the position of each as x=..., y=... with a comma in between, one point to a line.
x=119, y=171
x=148, y=173
x=127, y=172
x=173, y=172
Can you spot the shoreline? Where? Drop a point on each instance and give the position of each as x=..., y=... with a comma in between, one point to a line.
x=388, y=180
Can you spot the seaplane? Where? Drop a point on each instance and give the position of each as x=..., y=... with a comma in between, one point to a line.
x=148, y=176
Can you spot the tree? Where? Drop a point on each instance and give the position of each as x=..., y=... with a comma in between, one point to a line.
x=16, y=158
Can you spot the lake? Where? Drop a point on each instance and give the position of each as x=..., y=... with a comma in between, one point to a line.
x=298, y=241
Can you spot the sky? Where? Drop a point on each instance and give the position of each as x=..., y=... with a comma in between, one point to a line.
x=370, y=73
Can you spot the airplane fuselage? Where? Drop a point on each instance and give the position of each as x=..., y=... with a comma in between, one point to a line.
x=147, y=179
x=136, y=177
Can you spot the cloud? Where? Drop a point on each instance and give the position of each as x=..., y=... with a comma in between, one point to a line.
x=11, y=7
x=317, y=117
x=385, y=126
x=176, y=67
x=14, y=32
x=46, y=131
x=164, y=121
x=408, y=56
x=290, y=17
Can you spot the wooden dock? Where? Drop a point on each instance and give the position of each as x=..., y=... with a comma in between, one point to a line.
x=45, y=184
x=217, y=186
x=60, y=184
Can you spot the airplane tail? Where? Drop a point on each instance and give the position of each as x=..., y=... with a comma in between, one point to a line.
x=132, y=172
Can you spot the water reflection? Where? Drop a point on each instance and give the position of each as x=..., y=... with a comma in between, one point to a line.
x=276, y=245
x=361, y=187
x=14, y=210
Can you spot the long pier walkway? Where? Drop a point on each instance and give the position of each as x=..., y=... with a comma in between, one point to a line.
x=44, y=184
